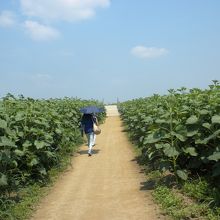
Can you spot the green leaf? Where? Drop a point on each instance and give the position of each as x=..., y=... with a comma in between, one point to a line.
x=19, y=116
x=206, y=125
x=161, y=121
x=4, y=141
x=206, y=140
x=3, y=124
x=192, y=120
x=21, y=134
x=151, y=139
x=3, y=180
x=171, y=151
x=26, y=144
x=50, y=154
x=40, y=144
x=38, y=122
x=179, y=136
x=160, y=146
x=150, y=155
x=182, y=174
x=15, y=163
x=192, y=133
x=33, y=162
x=19, y=153
x=141, y=138
x=58, y=131
x=191, y=151
x=216, y=119
x=181, y=129
x=204, y=112
x=43, y=171
x=215, y=156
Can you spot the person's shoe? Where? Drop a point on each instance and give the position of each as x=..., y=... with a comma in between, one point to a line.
x=89, y=154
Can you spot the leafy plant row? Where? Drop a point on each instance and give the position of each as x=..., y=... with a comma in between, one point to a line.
x=179, y=132
x=34, y=134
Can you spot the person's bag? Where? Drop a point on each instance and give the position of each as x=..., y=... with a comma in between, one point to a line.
x=96, y=129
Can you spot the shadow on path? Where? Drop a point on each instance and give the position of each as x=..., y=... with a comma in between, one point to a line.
x=148, y=185
x=168, y=180
x=95, y=151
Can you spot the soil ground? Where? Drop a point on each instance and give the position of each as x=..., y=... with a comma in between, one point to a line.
x=109, y=185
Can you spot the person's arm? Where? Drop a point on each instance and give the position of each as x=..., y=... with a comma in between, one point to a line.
x=95, y=120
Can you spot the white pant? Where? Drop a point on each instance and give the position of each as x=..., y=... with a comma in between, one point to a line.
x=94, y=138
x=91, y=141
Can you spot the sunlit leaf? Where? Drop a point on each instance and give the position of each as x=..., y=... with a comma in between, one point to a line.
x=19, y=153
x=33, y=162
x=216, y=119
x=4, y=141
x=215, y=156
x=171, y=151
x=3, y=124
x=192, y=133
x=192, y=120
x=191, y=151
x=40, y=144
x=3, y=180
x=206, y=125
x=43, y=171
x=182, y=174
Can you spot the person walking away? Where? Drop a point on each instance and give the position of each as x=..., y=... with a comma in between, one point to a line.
x=87, y=126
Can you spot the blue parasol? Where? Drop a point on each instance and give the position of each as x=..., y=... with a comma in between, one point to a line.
x=91, y=109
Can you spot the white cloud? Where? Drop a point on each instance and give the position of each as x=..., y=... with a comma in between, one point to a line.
x=7, y=19
x=66, y=10
x=148, y=52
x=39, y=31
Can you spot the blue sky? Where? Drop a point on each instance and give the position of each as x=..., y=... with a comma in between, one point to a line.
x=106, y=49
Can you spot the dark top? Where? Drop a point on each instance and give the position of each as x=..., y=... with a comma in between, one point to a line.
x=87, y=123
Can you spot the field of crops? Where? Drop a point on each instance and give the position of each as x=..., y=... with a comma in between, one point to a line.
x=34, y=135
x=179, y=132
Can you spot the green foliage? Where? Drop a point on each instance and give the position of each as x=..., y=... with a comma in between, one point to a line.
x=167, y=199
x=179, y=132
x=37, y=138
x=34, y=136
x=202, y=191
x=179, y=207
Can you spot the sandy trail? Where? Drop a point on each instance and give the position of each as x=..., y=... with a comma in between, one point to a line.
x=105, y=186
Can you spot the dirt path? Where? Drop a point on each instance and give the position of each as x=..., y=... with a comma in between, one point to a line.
x=105, y=186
